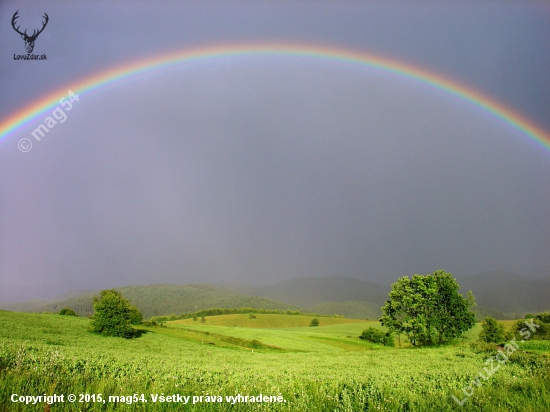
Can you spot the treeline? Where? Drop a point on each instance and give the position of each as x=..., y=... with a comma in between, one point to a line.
x=231, y=311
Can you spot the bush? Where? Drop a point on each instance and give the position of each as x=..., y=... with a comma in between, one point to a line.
x=113, y=315
x=314, y=322
x=522, y=331
x=252, y=316
x=67, y=312
x=492, y=331
x=203, y=319
x=543, y=317
x=377, y=336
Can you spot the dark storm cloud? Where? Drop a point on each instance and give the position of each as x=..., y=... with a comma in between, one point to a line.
x=258, y=170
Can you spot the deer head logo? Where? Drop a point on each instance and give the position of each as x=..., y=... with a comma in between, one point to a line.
x=29, y=40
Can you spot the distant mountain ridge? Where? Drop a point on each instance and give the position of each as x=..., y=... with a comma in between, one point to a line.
x=496, y=293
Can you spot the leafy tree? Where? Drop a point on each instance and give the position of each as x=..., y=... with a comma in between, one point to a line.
x=428, y=309
x=113, y=315
x=203, y=319
x=491, y=331
x=67, y=312
x=314, y=322
x=135, y=315
x=195, y=318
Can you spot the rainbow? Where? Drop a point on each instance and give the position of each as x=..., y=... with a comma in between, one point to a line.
x=26, y=115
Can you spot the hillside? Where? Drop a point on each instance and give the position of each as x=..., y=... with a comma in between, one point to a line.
x=163, y=299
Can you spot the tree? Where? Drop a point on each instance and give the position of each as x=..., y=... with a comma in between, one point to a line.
x=428, y=309
x=314, y=322
x=113, y=315
x=67, y=312
x=491, y=331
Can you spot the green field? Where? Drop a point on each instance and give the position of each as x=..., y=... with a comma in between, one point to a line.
x=267, y=321
x=325, y=368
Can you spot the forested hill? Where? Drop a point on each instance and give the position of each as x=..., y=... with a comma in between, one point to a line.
x=163, y=299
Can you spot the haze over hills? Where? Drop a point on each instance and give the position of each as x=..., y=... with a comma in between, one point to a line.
x=43, y=291
x=306, y=292
x=497, y=293
x=507, y=292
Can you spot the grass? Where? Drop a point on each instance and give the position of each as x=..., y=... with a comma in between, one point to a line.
x=325, y=368
x=265, y=321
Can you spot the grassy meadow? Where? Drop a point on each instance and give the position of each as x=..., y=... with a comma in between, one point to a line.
x=324, y=368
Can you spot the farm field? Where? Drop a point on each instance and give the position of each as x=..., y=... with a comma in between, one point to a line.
x=325, y=368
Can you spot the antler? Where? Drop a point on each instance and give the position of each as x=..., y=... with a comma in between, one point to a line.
x=15, y=17
x=43, y=26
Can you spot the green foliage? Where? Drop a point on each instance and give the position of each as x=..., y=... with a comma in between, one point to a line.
x=377, y=336
x=67, y=312
x=532, y=328
x=543, y=317
x=428, y=309
x=135, y=315
x=113, y=315
x=195, y=318
x=373, y=335
x=388, y=341
x=203, y=319
x=314, y=322
x=491, y=331
x=252, y=316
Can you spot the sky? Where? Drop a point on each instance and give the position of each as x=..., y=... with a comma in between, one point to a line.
x=258, y=169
